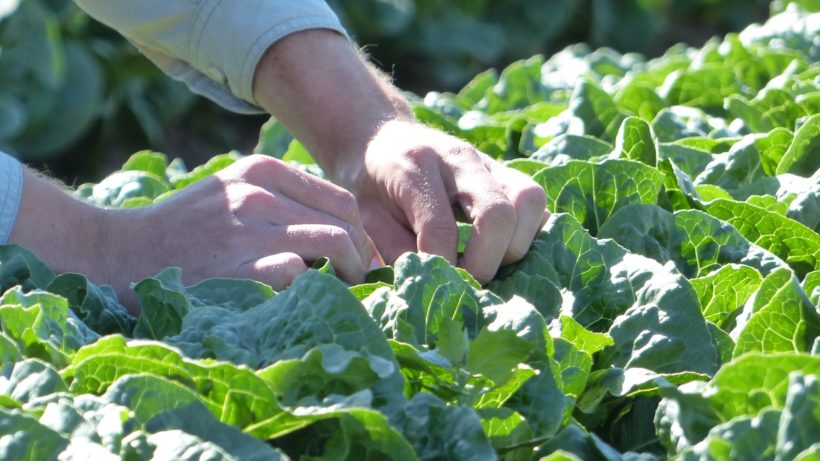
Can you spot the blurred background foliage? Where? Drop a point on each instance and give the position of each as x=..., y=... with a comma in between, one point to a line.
x=76, y=98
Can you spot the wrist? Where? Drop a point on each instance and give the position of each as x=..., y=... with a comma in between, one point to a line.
x=62, y=230
x=319, y=86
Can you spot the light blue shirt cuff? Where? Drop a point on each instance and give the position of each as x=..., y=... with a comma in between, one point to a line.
x=11, y=191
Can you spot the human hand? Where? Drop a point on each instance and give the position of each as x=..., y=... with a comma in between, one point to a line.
x=258, y=219
x=411, y=176
x=406, y=177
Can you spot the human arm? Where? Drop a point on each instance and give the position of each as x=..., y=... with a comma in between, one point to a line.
x=250, y=220
x=405, y=176
x=308, y=74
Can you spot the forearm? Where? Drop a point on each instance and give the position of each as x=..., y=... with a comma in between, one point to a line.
x=317, y=84
x=60, y=229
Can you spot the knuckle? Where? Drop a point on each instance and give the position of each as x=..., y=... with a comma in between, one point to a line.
x=336, y=236
x=501, y=212
x=420, y=155
x=532, y=198
x=441, y=229
x=260, y=166
x=291, y=266
x=246, y=197
x=347, y=206
x=463, y=150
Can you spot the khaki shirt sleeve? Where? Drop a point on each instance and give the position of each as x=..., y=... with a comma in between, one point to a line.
x=213, y=46
x=11, y=190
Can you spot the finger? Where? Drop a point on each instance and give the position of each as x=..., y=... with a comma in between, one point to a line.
x=279, y=210
x=391, y=237
x=314, y=241
x=427, y=206
x=277, y=176
x=530, y=203
x=277, y=270
x=493, y=216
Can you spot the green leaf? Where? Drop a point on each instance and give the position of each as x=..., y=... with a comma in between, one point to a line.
x=636, y=141
x=639, y=100
x=119, y=187
x=770, y=109
x=723, y=292
x=42, y=325
x=297, y=153
x=709, y=192
x=96, y=306
x=605, y=288
x=796, y=244
x=812, y=6
x=696, y=242
x=680, y=191
x=798, y=431
x=747, y=161
x=811, y=285
x=801, y=157
x=29, y=380
x=162, y=305
x=452, y=341
x=179, y=181
x=582, y=338
x=754, y=382
x=366, y=435
x=76, y=95
x=563, y=148
x=594, y=192
x=703, y=88
x=596, y=110
x=780, y=318
x=428, y=292
x=172, y=444
x=659, y=331
x=495, y=354
x=9, y=352
x=690, y=159
x=724, y=344
x=580, y=443
x=769, y=203
x=26, y=439
x=148, y=161
x=476, y=88
x=161, y=405
x=235, y=395
x=527, y=166
x=316, y=310
x=677, y=122
x=741, y=438
x=323, y=374
x=439, y=431
x=19, y=266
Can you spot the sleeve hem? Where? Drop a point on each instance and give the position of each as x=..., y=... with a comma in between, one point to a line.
x=271, y=36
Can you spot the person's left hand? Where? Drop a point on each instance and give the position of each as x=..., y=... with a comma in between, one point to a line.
x=411, y=177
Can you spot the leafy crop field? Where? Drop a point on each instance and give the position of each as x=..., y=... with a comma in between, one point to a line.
x=670, y=309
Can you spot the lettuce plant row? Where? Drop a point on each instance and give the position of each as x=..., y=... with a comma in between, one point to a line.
x=669, y=309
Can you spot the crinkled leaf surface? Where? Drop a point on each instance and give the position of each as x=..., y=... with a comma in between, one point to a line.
x=592, y=192
x=796, y=244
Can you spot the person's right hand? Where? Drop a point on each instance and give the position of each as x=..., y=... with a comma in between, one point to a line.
x=259, y=218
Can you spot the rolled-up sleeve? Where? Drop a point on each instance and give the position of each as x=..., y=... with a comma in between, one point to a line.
x=11, y=190
x=213, y=46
